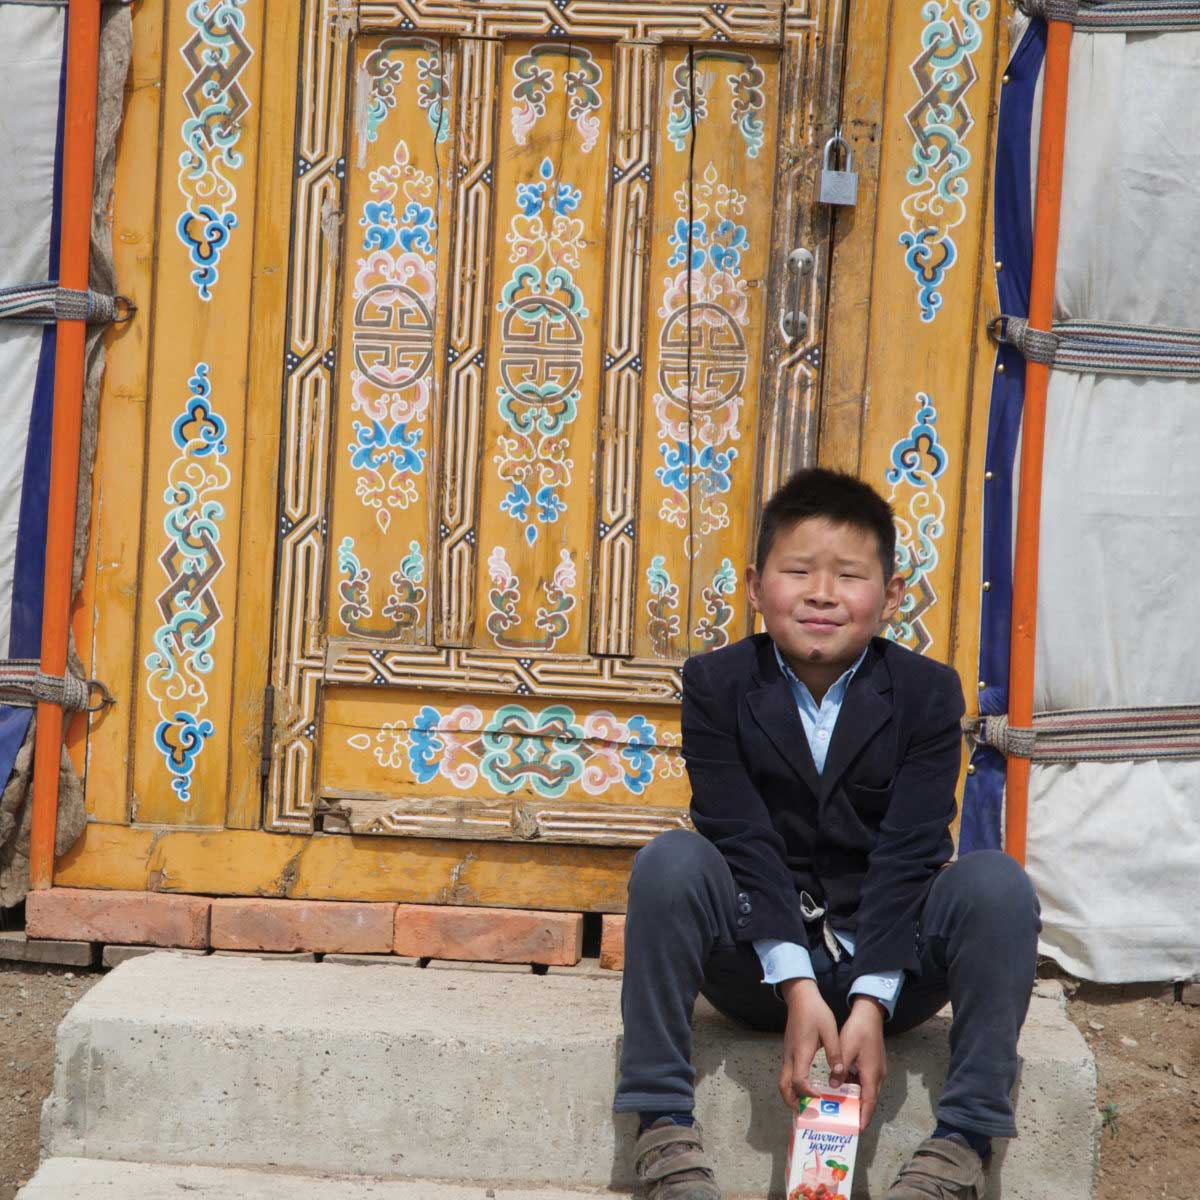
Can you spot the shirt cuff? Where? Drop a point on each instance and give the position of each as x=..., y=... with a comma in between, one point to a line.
x=783, y=960
x=884, y=987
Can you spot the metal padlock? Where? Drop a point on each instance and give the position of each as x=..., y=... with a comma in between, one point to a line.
x=838, y=187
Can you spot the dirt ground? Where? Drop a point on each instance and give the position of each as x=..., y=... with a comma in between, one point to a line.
x=33, y=1000
x=1147, y=1055
x=1148, y=1066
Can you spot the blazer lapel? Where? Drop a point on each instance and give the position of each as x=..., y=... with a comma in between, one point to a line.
x=774, y=708
x=867, y=706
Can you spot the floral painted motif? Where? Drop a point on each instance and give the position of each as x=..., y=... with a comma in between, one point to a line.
x=216, y=55
x=689, y=98
x=713, y=626
x=535, y=81
x=940, y=122
x=354, y=590
x=552, y=618
x=395, y=294
x=703, y=357
x=541, y=366
x=383, y=69
x=404, y=601
x=182, y=658
x=662, y=605
x=544, y=752
x=403, y=604
x=918, y=462
x=389, y=746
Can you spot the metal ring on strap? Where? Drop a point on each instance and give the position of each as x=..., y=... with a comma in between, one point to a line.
x=46, y=303
x=25, y=685
x=1036, y=345
x=995, y=731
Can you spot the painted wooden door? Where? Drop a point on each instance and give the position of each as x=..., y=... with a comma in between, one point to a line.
x=536, y=388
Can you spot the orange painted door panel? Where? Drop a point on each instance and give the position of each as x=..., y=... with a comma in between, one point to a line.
x=537, y=386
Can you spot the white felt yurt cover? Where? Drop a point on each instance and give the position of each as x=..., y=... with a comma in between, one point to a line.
x=1114, y=848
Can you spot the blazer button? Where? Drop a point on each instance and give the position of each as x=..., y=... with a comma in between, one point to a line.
x=744, y=907
x=743, y=922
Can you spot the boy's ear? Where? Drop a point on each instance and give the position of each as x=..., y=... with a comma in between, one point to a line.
x=893, y=595
x=752, y=586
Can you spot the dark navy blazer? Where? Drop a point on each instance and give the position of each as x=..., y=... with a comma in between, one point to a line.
x=867, y=836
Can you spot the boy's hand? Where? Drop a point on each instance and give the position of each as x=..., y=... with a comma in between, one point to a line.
x=864, y=1053
x=810, y=1024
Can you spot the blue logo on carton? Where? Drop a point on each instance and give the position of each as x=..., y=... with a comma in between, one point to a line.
x=831, y=1107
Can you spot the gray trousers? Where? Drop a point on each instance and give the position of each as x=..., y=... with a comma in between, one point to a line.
x=977, y=942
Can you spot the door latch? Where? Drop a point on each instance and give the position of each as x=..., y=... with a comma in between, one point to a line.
x=793, y=321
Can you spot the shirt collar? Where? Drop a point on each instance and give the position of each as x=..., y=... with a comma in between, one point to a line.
x=836, y=690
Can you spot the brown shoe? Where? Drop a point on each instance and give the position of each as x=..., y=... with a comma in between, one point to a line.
x=671, y=1163
x=940, y=1169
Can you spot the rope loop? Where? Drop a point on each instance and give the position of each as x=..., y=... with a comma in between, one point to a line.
x=1036, y=345
x=1012, y=741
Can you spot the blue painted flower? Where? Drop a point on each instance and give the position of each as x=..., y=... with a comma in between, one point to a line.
x=729, y=241
x=424, y=745
x=567, y=199
x=549, y=505
x=380, y=222
x=711, y=466
x=530, y=198
x=679, y=239
x=516, y=502
x=407, y=458
x=417, y=224
x=638, y=754
x=204, y=248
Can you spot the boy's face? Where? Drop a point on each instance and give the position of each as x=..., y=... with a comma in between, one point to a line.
x=822, y=594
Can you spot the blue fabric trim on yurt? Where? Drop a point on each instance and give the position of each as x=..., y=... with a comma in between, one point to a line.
x=983, y=799
x=25, y=634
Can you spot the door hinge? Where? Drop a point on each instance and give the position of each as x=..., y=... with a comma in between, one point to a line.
x=268, y=731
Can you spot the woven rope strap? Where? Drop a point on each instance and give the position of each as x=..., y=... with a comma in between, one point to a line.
x=45, y=303
x=24, y=684
x=1094, y=735
x=1106, y=347
x=1118, y=16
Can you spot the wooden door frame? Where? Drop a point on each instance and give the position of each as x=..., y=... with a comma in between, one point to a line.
x=303, y=659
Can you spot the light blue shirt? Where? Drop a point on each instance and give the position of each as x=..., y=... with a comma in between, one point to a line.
x=786, y=960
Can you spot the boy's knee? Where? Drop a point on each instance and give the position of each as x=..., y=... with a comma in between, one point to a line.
x=996, y=884
x=673, y=862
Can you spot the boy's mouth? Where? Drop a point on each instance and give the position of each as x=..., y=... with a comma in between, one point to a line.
x=820, y=624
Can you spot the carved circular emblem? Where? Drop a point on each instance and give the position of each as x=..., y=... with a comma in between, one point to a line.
x=542, y=361
x=703, y=359
x=393, y=336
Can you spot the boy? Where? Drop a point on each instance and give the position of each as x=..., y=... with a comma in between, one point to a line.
x=814, y=897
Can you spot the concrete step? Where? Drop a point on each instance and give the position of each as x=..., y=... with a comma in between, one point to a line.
x=95, y=1179
x=418, y=1074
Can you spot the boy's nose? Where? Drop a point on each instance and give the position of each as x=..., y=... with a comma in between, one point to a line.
x=820, y=590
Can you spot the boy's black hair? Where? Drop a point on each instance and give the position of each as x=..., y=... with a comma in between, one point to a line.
x=838, y=498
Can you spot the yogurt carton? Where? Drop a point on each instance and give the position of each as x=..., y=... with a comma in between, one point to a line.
x=823, y=1145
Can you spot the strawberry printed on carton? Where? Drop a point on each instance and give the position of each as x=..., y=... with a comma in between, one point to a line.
x=824, y=1144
